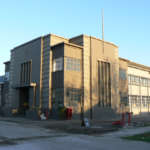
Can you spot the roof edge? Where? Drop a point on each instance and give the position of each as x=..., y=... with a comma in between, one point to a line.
x=26, y=43
x=93, y=38
x=136, y=65
x=6, y=62
x=70, y=44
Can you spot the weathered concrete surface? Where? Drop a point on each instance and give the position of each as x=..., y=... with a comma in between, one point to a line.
x=30, y=136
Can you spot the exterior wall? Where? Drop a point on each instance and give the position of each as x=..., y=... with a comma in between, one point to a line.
x=37, y=51
x=86, y=77
x=27, y=52
x=123, y=85
x=57, y=82
x=45, y=71
x=77, y=40
x=92, y=53
x=72, y=79
x=108, y=53
x=53, y=41
x=139, y=90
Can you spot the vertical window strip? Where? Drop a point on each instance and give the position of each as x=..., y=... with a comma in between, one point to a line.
x=104, y=84
x=25, y=74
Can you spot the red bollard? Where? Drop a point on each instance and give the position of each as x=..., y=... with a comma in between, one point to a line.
x=70, y=113
x=123, y=119
x=129, y=118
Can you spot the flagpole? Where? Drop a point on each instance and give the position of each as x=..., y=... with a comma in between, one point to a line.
x=103, y=29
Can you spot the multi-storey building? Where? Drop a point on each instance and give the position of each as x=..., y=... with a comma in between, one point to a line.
x=83, y=72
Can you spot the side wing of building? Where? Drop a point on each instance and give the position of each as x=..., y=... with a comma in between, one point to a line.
x=138, y=81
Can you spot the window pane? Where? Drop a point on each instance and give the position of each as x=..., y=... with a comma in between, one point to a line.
x=73, y=64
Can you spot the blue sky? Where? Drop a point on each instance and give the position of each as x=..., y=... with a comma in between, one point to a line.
x=126, y=23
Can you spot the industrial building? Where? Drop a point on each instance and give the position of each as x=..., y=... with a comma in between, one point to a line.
x=84, y=73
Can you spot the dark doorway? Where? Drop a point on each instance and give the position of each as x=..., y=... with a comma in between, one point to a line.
x=24, y=100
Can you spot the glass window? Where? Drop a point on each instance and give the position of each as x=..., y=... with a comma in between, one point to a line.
x=25, y=72
x=129, y=79
x=73, y=64
x=57, y=96
x=144, y=81
x=134, y=100
x=57, y=64
x=144, y=101
x=122, y=74
x=149, y=82
x=73, y=94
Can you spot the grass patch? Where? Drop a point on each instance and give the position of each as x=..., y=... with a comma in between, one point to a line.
x=145, y=137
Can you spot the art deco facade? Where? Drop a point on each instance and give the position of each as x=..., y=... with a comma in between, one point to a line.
x=83, y=72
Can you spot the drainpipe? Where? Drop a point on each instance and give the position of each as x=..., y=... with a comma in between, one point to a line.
x=130, y=96
x=148, y=96
x=91, y=110
x=82, y=89
x=140, y=97
x=41, y=71
x=34, y=95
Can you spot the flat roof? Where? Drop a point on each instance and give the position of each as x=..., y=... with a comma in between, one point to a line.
x=64, y=43
x=26, y=43
x=93, y=38
x=6, y=62
x=62, y=38
x=136, y=65
x=50, y=34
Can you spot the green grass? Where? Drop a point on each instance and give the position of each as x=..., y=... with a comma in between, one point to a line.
x=145, y=137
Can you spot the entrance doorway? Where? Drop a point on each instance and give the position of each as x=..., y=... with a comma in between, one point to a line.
x=24, y=99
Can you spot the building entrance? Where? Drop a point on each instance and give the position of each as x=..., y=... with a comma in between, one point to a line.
x=24, y=99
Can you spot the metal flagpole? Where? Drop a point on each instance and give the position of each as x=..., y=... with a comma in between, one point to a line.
x=103, y=29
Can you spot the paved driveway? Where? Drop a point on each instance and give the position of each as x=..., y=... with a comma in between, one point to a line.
x=14, y=136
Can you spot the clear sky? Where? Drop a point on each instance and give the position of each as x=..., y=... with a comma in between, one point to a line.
x=126, y=23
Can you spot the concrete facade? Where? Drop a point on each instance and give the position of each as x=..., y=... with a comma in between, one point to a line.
x=84, y=73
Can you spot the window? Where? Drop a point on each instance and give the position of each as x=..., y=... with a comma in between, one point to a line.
x=137, y=80
x=132, y=79
x=124, y=100
x=74, y=94
x=57, y=96
x=104, y=84
x=25, y=73
x=73, y=64
x=148, y=100
x=138, y=101
x=144, y=101
x=58, y=64
x=134, y=100
x=129, y=79
x=149, y=82
x=122, y=74
x=144, y=81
